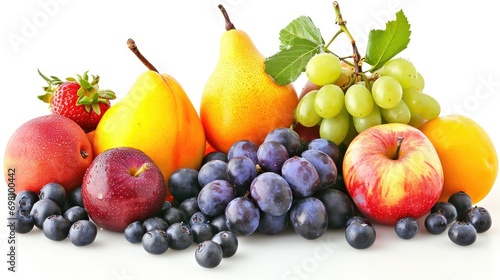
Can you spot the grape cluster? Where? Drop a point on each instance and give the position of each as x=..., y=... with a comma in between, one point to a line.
x=343, y=105
x=282, y=183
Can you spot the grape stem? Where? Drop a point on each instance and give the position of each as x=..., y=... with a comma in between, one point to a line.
x=343, y=29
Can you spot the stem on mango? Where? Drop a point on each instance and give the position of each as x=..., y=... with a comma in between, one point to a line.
x=229, y=24
x=133, y=47
x=398, y=147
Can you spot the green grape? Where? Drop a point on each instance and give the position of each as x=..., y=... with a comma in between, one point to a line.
x=419, y=82
x=335, y=129
x=387, y=92
x=305, y=113
x=413, y=99
x=402, y=70
x=416, y=120
x=358, y=101
x=399, y=114
x=431, y=108
x=373, y=119
x=346, y=78
x=351, y=133
x=323, y=69
x=329, y=101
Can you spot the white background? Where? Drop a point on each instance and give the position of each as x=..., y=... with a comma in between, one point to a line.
x=454, y=44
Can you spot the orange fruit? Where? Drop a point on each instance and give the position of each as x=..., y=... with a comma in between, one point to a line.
x=467, y=154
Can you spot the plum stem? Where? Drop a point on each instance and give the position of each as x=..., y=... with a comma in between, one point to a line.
x=143, y=168
x=398, y=147
x=229, y=24
x=133, y=47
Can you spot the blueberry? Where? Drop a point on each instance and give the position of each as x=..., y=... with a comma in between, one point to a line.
x=435, y=223
x=155, y=242
x=155, y=223
x=82, y=233
x=447, y=209
x=462, y=233
x=54, y=192
x=462, y=202
x=76, y=213
x=173, y=215
x=183, y=183
x=202, y=232
x=43, y=209
x=24, y=221
x=208, y=254
x=198, y=217
x=25, y=200
x=189, y=207
x=228, y=243
x=360, y=235
x=75, y=197
x=56, y=227
x=219, y=223
x=406, y=228
x=180, y=236
x=479, y=217
x=134, y=232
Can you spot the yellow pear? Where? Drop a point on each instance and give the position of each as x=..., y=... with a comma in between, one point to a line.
x=157, y=117
x=240, y=101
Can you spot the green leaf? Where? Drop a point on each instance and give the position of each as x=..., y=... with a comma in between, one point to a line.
x=302, y=27
x=385, y=44
x=287, y=65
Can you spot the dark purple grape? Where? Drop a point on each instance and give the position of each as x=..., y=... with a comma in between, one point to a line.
x=174, y=214
x=244, y=148
x=446, y=209
x=242, y=216
x=479, y=217
x=327, y=170
x=214, y=197
x=228, y=243
x=272, y=193
x=241, y=171
x=360, y=235
x=288, y=138
x=184, y=184
x=208, y=254
x=461, y=201
x=214, y=155
x=406, y=228
x=189, y=207
x=309, y=218
x=202, y=232
x=211, y=171
x=462, y=233
x=272, y=225
x=271, y=156
x=327, y=147
x=219, y=223
x=339, y=207
x=301, y=175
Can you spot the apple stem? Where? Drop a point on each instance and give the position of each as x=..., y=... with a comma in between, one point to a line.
x=143, y=168
x=133, y=47
x=229, y=24
x=398, y=146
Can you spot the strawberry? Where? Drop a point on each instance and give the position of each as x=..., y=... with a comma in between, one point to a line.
x=77, y=98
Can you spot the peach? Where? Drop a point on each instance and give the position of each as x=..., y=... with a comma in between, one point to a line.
x=50, y=148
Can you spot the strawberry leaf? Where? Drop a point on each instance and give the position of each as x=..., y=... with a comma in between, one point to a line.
x=287, y=65
x=385, y=44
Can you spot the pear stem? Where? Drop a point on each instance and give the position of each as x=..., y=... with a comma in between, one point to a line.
x=398, y=147
x=229, y=24
x=143, y=168
x=133, y=47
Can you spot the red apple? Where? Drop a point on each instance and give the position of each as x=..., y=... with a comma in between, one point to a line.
x=392, y=171
x=122, y=185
